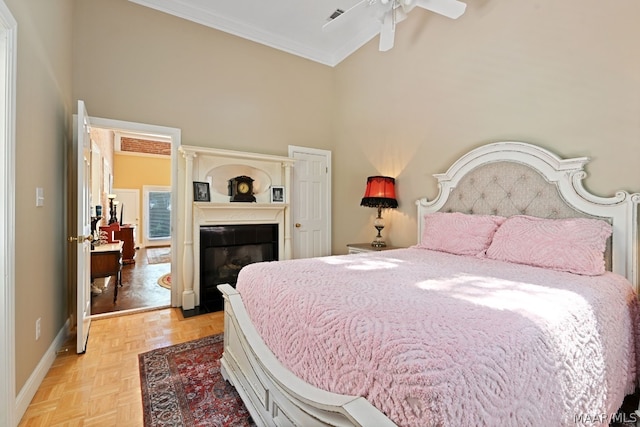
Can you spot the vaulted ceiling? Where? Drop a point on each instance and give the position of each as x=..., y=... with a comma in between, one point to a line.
x=294, y=26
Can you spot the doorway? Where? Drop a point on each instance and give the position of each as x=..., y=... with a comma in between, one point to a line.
x=147, y=278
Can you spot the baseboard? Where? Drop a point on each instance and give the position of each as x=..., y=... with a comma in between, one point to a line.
x=33, y=383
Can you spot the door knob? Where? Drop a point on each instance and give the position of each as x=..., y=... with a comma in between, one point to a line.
x=298, y=225
x=81, y=239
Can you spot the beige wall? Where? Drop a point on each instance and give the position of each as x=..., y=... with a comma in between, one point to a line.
x=44, y=110
x=564, y=75
x=220, y=90
x=136, y=171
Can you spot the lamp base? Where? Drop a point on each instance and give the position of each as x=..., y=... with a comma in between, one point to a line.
x=378, y=244
x=378, y=223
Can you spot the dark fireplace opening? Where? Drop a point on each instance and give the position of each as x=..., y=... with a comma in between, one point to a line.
x=225, y=249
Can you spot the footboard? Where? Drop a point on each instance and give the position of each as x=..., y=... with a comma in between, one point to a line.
x=273, y=395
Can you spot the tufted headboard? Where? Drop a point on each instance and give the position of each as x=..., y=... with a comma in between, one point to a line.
x=516, y=178
x=497, y=189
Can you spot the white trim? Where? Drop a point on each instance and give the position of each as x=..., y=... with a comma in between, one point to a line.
x=134, y=154
x=128, y=312
x=9, y=35
x=330, y=55
x=176, y=138
x=231, y=154
x=40, y=372
x=118, y=135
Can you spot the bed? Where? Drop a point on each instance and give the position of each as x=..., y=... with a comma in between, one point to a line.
x=518, y=306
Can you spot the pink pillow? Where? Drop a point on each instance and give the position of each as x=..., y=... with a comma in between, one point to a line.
x=575, y=245
x=458, y=233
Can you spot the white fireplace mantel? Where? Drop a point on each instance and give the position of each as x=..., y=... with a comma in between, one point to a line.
x=216, y=167
x=238, y=213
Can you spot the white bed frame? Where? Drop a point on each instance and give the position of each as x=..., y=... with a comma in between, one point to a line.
x=554, y=189
x=276, y=397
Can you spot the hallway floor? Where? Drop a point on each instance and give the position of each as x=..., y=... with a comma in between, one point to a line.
x=139, y=289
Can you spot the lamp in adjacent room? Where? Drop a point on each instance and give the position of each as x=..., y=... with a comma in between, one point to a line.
x=380, y=193
x=112, y=209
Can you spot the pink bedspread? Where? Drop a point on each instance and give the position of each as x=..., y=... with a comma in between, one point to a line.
x=436, y=339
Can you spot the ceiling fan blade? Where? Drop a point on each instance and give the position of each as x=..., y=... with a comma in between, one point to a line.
x=343, y=16
x=400, y=13
x=450, y=8
x=387, y=32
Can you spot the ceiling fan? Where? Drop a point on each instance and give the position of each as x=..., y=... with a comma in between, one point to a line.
x=391, y=12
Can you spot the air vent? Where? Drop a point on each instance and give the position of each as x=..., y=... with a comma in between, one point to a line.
x=335, y=14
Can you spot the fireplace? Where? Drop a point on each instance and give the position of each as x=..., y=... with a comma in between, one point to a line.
x=216, y=167
x=225, y=249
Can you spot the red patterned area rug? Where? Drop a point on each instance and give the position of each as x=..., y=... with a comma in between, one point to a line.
x=182, y=386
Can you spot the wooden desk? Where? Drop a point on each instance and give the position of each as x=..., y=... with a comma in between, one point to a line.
x=106, y=260
x=127, y=234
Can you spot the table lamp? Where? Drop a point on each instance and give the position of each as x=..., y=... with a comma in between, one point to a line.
x=380, y=193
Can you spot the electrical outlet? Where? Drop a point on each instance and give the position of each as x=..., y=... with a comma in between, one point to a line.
x=38, y=328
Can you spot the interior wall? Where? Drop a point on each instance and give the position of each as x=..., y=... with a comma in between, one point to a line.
x=563, y=75
x=220, y=90
x=136, y=171
x=43, y=119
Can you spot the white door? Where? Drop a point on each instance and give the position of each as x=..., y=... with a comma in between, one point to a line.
x=129, y=209
x=81, y=240
x=311, y=202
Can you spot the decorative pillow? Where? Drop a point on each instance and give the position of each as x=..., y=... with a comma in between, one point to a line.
x=458, y=233
x=576, y=245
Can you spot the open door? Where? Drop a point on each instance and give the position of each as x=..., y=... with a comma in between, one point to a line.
x=83, y=237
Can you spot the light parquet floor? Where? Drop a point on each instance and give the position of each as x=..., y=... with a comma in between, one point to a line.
x=102, y=386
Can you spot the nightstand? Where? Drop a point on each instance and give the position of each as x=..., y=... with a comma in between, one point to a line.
x=356, y=248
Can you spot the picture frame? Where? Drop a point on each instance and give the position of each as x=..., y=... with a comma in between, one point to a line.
x=277, y=194
x=201, y=192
